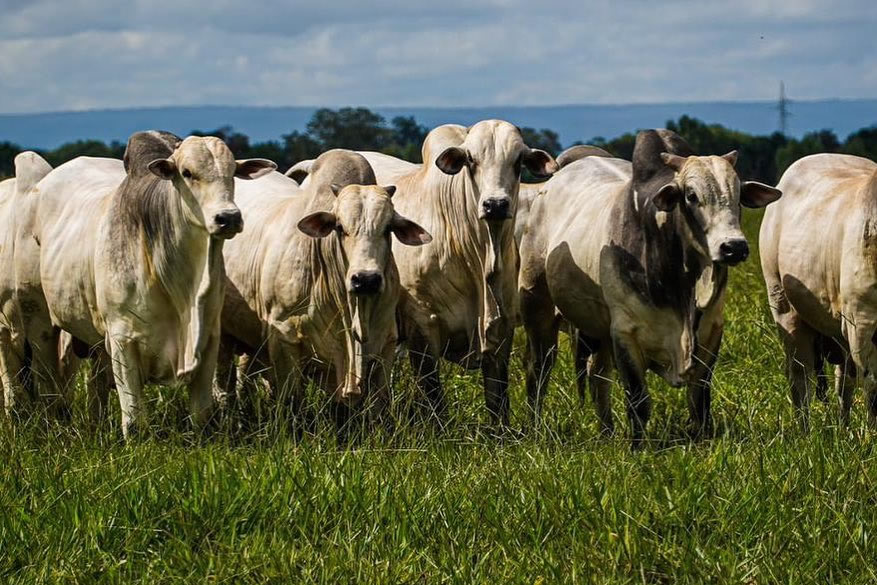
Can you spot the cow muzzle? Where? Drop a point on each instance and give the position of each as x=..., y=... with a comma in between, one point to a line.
x=228, y=223
x=733, y=252
x=496, y=208
x=366, y=282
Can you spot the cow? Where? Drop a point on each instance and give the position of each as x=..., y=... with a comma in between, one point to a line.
x=459, y=299
x=529, y=193
x=130, y=261
x=818, y=249
x=635, y=256
x=313, y=292
x=15, y=354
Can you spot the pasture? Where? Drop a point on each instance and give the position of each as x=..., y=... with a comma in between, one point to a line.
x=761, y=502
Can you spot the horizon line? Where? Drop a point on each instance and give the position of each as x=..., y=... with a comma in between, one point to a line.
x=406, y=107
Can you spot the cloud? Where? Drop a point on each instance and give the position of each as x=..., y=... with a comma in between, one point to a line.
x=89, y=54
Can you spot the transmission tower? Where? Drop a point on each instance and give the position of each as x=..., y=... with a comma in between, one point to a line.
x=783, y=109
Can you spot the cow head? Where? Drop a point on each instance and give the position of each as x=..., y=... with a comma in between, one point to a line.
x=203, y=171
x=363, y=219
x=709, y=194
x=493, y=153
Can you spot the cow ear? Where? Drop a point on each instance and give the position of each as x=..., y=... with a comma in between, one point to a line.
x=452, y=160
x=408, y=232
x=755, y=194
x=540, y=163
x=300, y=171
x=319, y=224
x=391, y=190
x=674, y=161
x=731, y=157
x=163, y=168
x=667, y=197
x=253, y=168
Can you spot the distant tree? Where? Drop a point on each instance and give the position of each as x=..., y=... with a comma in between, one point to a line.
x=238, y=143
x=298, y=147
x=810, y=143
x=546, y=139
x=353, y=128
x=862, y=143
x=8, y=152
x=96, y=148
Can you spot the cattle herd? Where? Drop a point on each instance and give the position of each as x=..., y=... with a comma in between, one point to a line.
x=182, y=265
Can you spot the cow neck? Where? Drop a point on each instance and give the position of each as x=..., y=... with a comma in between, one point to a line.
x=330, y=290
x=665, y=267
x=466, y=235
x=174, y=249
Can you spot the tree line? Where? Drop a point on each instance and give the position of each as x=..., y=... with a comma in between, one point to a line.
x=762, y=158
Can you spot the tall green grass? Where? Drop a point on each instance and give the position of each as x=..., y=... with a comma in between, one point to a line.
x=760, y=503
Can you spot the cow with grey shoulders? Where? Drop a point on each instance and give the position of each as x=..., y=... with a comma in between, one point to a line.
x=313, y=292
x=635, y=256
x=130, y=261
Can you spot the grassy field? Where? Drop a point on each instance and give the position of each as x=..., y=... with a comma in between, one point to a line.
x=759, y=503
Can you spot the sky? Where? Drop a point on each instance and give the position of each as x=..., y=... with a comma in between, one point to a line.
x=94, y=54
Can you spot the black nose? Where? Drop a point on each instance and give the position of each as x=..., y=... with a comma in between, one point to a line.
x=496, y=208
x=734, y=251
x=229, y=221
x=366, y=283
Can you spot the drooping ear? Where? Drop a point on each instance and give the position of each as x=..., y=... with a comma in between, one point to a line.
x=667, y=197
x=408, y=232
x=318, y=224
x=755, y=194
x=540, y=163
x=300, y=171
x=336, y=189
x=253, y=168
x=674, y=161
x=452, y=160
x=163, y=168
x=731, y=157
x=390, y=189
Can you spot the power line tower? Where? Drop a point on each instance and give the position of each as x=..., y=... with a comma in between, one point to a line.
x=783, y=109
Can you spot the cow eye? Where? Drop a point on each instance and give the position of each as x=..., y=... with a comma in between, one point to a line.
x=187, y=173
x=470, y=161
x=691, y=196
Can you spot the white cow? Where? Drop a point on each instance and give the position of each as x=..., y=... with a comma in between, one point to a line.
x=819, y=258
x=460, y=299
x=14, y=209
x=313, y=291
x=130, y=259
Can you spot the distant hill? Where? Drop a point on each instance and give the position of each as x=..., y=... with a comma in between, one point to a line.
x=572, y=122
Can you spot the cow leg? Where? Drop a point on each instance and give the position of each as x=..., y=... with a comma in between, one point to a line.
x=819, y=368
x=700, y=389
x=599, y=383
x=541, y=325
x=860, y=330
x=288, y=384
x=379, y=395
x=424, y=364
x=799, y=347
x=201, y=404
x=495, y=372
x=639, y=405
x=129, y=384
x=845, y=384
x=581, y=355
x=11, y=370
x=98, y=387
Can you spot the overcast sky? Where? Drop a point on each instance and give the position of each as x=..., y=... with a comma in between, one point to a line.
x=83, y=54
